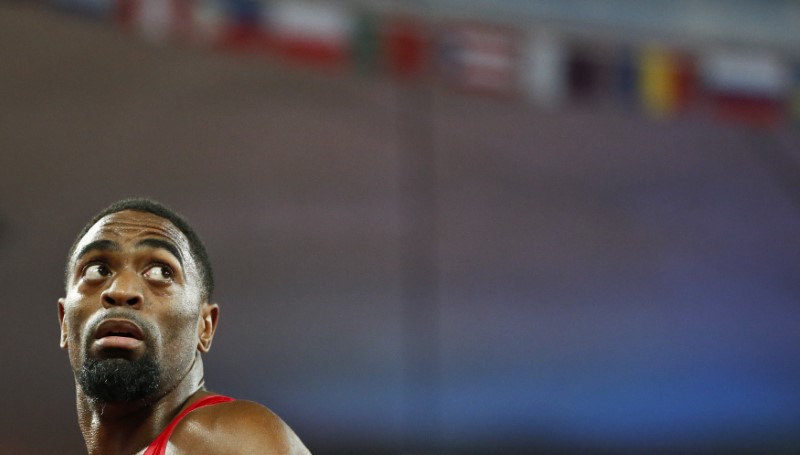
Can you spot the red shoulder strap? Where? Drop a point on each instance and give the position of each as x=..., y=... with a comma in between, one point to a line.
x=159, y=444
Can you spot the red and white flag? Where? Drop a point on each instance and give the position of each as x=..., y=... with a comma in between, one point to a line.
x=479, y=57
x=747, y=86
x=311, y=32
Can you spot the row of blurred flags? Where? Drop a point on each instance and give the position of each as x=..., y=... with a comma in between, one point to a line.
x=541, y=65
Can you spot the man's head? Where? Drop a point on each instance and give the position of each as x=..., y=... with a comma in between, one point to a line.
x=137, y=309
x=196, y=246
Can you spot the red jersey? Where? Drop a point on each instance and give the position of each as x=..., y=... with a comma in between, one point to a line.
x=159, y=444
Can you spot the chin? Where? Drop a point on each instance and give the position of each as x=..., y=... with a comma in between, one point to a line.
x=119, y=380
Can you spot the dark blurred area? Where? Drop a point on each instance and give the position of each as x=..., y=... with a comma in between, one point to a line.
x=438, y=227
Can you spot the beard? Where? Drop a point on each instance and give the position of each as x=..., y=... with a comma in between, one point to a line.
x=118, y=380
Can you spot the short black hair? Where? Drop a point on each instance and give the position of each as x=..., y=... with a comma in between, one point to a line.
x=197, y=249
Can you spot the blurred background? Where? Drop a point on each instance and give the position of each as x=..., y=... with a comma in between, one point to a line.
x=438, y=227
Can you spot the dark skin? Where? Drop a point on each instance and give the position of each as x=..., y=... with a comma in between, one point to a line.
x=137, y=266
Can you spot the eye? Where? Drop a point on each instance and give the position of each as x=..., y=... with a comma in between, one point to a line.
x=96, y=272
x=159, y=273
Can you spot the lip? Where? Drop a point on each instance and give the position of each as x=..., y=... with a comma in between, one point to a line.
x=124, y=327
x=118, y=333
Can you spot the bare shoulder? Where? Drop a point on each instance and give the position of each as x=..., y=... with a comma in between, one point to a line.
x=236, y=427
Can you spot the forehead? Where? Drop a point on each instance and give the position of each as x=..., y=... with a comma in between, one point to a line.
x=129, y=226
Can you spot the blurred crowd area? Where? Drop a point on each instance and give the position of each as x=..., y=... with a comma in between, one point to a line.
x=542, y=55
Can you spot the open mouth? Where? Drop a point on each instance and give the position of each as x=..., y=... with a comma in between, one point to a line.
x=118, y=333
x=118, y=328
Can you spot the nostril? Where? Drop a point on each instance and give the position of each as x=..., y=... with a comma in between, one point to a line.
x=121, y=300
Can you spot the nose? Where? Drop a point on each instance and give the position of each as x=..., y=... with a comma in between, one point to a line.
x=124, y=290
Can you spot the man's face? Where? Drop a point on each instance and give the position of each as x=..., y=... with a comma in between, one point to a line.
x=133, y=319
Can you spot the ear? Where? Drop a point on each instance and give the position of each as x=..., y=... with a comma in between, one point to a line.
x=207, y=326
x=63, y=323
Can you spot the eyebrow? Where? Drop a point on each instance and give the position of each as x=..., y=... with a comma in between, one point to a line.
x=110, y=245
x=98, y=245
x=162, y=244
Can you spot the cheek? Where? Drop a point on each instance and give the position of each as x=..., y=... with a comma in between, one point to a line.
x=75, y=347
x=74, y=319
x=182, y=326
x=79, y=305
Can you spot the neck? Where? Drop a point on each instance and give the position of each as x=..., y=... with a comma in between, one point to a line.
x=127, y=428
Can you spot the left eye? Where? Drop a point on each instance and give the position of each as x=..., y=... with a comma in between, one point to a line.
x=159, y=273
